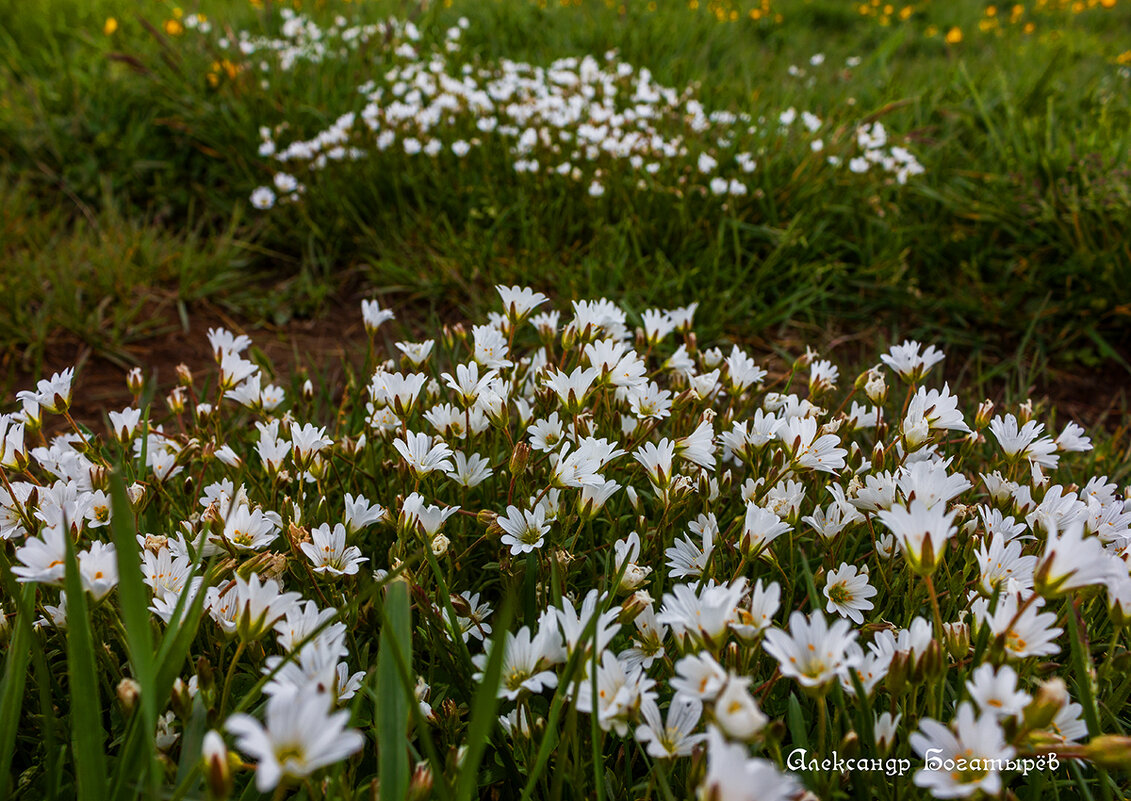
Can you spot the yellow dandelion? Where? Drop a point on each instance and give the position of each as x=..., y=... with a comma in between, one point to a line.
x=954, y=35
x=174, y=27
x=110, y=26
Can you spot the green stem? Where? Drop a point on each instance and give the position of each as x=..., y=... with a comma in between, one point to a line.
x=228, y=679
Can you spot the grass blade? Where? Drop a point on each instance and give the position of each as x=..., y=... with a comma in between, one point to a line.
x=134, y=601
x=484, y=706
x=392, y=705
x=87, y=734
x=12, y=687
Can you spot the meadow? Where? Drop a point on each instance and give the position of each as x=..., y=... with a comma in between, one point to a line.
x=642, y=400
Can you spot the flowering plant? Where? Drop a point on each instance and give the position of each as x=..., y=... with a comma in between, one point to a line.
x=557, y=545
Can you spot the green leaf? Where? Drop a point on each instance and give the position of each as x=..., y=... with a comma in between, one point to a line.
x=134, y=600
x=797, y=723
x=392, y=703
x=87, y=734
x=485, y=705
x=12, y=686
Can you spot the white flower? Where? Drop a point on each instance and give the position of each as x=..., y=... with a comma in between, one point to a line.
x=301, y=736
x=360, y=513
x=263, y=198
x=524, y=530
x=922, y=532
x=422, y=455
x=98, y=568
x=736, y=712
x=812, y=652
x=373, y=315
x=995, y=691
x=973, y=744
x=523, y=658
x=908, y=362
x=329, y=553
x=848, y=591
x=732, y=775
x=667, y=740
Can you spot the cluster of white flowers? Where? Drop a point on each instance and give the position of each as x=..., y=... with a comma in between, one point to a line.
x=589, y=120
x=679, y=522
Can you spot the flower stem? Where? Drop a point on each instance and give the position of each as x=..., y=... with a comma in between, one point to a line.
x=230, y=676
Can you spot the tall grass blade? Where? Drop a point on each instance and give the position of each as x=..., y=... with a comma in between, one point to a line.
x=87, y=734
x=134, y=600
x=12, y=687
x=392, y=703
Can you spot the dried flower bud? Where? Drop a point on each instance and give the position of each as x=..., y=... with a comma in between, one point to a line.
x=128, y=693
x=155, y=543
x=440, y=545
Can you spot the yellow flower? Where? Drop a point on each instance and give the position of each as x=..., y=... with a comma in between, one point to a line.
x=954, y=36
x=174, y=27
x=110, y=26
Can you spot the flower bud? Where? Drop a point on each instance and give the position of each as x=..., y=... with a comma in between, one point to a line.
x=440, y=545
x=519, y=459
x=176, y=400
x=205, y=677
x=420, y=785
x=633, y=606
x=216, y=767
x=128, y=693
x=1042, y=710
x=135, y=381
x=99, y=477
x=184, y=375
x=957, y=637
x=984, y=415
x=875, y=387
x=899, y=671
x=135, y=492
x=1110, y=751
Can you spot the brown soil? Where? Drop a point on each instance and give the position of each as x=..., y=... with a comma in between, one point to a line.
x=322, y=346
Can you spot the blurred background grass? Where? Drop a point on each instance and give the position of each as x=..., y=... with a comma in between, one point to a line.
x=128, y=148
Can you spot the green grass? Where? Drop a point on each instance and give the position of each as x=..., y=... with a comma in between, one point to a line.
x=130, y=175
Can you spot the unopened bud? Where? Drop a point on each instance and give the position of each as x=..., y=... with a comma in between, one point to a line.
x=128, y=693
x=440, y=545
x=216, y=767
x=99, y=477
x=1043, y=709
x=957, y=637
x=205, y=677
x=519, y=459
x=1025, y=412
x=307, y=389
x=135, y=492
x=984, y=415
x=184, y=375
x=420, y=785
x=176, y=400
x=633, y=606
x=899, y=671
x=1110, y=751
x=135, y=381
x=850, y=744
x=486, y=517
